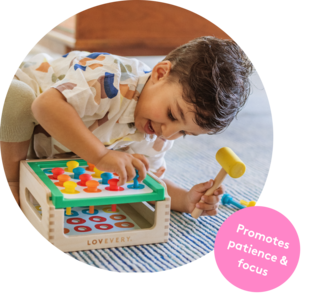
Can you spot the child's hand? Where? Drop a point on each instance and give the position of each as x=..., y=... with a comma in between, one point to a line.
x=210, y=205
x=124, y=165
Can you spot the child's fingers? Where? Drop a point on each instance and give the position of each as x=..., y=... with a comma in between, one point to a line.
x=131, y=172
x=139, y=165
x=128, y=171
x=206, y=206
x=210, y=199
x=219, y=191
x=210, y=213
x=143, y=159
x=203, y=187
x=122, y=174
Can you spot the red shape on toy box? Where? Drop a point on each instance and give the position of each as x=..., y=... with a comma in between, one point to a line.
x=84, y=178
x=113, y=185
x=56, y=172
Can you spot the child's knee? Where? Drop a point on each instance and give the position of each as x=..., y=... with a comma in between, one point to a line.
x=17, y=121
x=19, y=99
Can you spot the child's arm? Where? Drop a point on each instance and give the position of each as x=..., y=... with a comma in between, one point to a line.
x=186, y=201
x=63, y=123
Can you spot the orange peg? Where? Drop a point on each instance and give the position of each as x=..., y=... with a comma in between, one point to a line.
x=92, y=186
x=61, y=179
x=91, y=209
x=90, y=167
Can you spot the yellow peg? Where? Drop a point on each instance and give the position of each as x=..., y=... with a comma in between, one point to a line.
x=70, y=187
x=72, y=164
x=248, y=203
x=68, y=211
x=97, y=173
x=252, y=203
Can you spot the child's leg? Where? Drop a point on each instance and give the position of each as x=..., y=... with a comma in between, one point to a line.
x=17, y=124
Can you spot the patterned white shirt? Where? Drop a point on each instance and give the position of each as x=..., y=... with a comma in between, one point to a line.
x=104, y=90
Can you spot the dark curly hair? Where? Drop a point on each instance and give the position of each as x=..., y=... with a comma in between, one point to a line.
x=214, y=75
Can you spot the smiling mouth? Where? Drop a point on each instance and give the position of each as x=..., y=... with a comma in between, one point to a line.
x=148, y=128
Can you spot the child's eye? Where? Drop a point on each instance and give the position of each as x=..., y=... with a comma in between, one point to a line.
x=170, y=116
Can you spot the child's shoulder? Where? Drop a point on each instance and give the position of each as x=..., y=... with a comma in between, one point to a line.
x=124, y=64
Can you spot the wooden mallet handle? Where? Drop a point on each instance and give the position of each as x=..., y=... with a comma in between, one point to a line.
x=217, y=182
x=231, y=164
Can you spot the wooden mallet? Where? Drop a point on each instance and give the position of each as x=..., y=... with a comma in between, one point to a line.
x=231, y=164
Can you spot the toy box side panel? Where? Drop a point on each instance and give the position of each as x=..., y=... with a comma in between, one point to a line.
x=162, y=217
x=159, y=232
x=147, y=214
x=32, y=189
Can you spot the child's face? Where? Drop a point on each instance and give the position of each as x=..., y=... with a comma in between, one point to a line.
x=161, y=109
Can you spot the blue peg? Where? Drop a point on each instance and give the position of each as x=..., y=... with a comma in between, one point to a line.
x=77, y=172
x=227, y=199
x=105, y=177
x=136, y=185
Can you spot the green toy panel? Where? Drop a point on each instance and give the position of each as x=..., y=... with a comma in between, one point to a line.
x=153, y=190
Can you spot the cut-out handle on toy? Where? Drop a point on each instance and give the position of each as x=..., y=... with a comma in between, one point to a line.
x=217, y=182
x=231, y=164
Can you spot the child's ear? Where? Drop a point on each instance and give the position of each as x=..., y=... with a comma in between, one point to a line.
x=161, y=71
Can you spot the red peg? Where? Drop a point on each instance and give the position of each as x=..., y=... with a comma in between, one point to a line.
x=113, y=185
x=113, y=208
x=92, y=186
x=56, y=172
x=84, y=178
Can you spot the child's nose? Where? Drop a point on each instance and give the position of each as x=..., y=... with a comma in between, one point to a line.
x=169, y=130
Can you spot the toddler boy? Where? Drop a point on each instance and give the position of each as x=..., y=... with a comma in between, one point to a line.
x=119, y=115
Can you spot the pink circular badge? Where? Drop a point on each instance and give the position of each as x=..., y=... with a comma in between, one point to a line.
x=257, y=249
